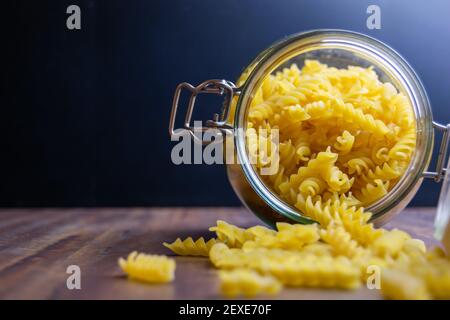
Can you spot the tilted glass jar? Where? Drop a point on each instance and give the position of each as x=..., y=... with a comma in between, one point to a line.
x=336, y=48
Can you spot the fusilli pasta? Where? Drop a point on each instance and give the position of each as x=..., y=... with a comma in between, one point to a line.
x=345, y=140
x=148, y=268
x=247, y=282
x=189, y=247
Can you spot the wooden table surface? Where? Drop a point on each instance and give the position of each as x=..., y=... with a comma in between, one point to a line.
x=37, y=246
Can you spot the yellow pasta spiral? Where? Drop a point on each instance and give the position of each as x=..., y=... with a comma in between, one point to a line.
x=189, y=247
x=261, y=112
x=344, y=142
x=388, y=171
x=403, y=286
x=233, y=236
x=148, y=268
x=341, y=241
x=247, y=282
x=317, y=271
x=359, y=165
x=315, y=210
x=390, y=243
x=361, y=231
x=364, y=121
x=292, y=269
x=312, y=186
x=373, y=191
x=404, y=148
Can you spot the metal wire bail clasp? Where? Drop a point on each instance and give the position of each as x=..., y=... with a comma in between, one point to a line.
x=440, y=163
x=215, y=86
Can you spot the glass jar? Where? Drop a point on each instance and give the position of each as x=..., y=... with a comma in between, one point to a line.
x=336, y=48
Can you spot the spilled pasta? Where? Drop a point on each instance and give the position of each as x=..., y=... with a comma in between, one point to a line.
x=148, y=268
x=345, y=140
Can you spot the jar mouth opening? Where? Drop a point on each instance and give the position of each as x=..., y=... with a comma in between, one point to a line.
x=375, y=53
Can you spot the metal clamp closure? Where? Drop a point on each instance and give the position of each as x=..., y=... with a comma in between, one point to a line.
x=440, y=163
x=219, y=87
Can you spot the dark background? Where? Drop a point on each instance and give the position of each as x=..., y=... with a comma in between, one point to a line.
x=84, y=114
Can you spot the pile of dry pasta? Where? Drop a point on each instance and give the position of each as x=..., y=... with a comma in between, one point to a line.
x=345, y=139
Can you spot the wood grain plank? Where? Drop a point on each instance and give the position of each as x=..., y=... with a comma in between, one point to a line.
x=36, y=247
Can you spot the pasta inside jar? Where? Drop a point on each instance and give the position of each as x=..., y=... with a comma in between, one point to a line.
x=321, y=119
x=342, y=135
